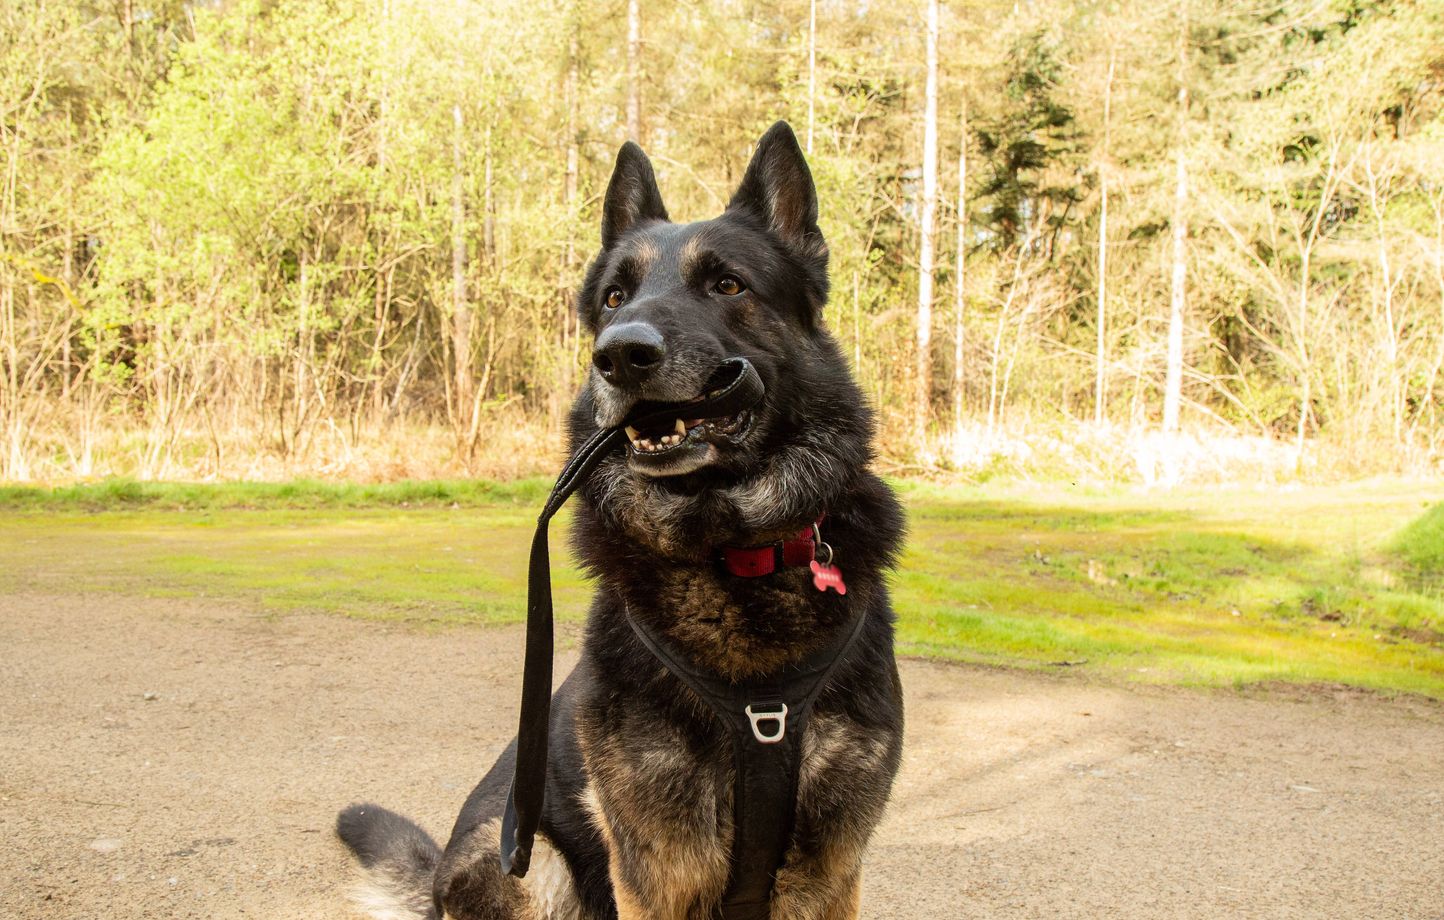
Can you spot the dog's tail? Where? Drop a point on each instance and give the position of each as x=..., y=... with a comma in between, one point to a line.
x=399, y=860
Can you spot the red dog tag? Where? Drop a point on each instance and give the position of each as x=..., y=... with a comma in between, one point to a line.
x=827, y=576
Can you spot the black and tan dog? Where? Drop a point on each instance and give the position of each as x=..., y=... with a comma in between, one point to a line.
x=638, y=817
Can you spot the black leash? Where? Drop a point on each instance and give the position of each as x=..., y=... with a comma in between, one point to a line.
x=528, y=784
x=767, y=719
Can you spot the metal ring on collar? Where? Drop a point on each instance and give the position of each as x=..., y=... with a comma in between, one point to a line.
x=820, y=544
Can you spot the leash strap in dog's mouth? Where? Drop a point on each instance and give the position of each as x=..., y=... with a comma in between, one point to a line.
x=528, y=783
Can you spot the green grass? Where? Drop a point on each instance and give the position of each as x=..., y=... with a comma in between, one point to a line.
x=1214, y=587
x=1420, y=547
x=115, y=494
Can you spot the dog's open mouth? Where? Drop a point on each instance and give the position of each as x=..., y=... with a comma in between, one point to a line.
x=660, y=439
x=672, y=439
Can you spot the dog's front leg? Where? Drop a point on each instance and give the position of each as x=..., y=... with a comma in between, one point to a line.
x=848, y=904
x=819, y=889
x=659, y=804
x=659, y=874
x=658, y=816
x=630, y=905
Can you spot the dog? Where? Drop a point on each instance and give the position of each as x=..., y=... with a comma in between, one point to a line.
x=638, y=819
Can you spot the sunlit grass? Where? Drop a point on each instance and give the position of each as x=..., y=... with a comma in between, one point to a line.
x=428, y=565
x=1219, y=587
x=1228, y=586
x=114, y=494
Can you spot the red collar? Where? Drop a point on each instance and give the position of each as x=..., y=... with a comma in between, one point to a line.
x=756, y=561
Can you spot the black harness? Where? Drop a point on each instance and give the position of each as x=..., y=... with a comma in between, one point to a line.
x=766, y=719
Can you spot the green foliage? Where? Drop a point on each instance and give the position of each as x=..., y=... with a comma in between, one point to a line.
x=1030, y=148
x=295, y=223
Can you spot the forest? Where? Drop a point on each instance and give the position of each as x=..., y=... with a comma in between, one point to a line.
x=253, y=239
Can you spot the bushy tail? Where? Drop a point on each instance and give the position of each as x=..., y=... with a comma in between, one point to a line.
x=399, y=859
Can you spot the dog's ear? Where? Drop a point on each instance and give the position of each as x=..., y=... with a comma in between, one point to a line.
x=778, y=188
x=632, y=195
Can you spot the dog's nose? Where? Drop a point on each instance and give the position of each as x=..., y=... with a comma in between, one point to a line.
x=627, y=354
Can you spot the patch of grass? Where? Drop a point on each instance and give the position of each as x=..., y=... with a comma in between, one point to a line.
x=118, y=494
x=1215, y=587
x=418, y=564
x=1420, y=546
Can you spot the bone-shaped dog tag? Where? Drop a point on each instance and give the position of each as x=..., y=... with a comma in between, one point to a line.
x=827, y=576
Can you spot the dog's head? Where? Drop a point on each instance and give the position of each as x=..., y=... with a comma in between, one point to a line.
x=669, y=305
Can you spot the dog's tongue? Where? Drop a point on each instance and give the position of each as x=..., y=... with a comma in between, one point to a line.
x=744, y=391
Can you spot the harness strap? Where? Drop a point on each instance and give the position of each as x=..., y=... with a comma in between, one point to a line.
x=767, y=720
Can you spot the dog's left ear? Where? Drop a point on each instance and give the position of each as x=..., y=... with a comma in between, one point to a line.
x=632, y=195
x=778, y=188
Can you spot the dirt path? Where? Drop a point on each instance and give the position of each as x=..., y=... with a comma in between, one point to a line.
x=1021, y=795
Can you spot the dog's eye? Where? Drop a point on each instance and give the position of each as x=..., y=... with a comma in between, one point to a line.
x=615, y=297
x=729, y=285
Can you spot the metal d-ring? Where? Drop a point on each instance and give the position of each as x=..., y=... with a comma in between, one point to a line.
x=779, y=718
x=817, y=539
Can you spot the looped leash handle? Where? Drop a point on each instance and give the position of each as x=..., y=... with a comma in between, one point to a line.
x=528, y=783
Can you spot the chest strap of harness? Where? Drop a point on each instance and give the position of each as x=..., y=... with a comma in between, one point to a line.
x=767, y=720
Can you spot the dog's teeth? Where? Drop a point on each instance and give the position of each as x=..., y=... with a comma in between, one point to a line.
x=632, y=434
x=681, y=429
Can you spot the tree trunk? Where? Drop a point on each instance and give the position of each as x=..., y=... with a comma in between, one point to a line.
x=569, y=189
x=383, y=109
x=382, y=312
x=959, y=291
x=460, y=308
x=924, y=370
x=300, y=397
x=634, y=67
x=1173, y=377
x=1101, y=357
x=571, y=325
x=488, y=207
x=811, y=70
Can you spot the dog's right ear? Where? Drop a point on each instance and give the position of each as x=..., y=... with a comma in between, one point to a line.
x=778, y=188
x=632, y=195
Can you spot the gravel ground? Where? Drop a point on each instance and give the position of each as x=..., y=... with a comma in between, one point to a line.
x=184, y=758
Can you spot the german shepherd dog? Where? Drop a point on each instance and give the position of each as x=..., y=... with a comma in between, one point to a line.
x=638, y=818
